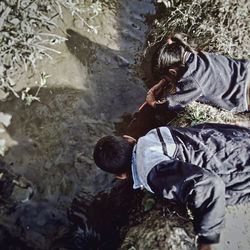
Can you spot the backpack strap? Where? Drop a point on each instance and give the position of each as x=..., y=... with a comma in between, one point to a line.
x=164, y=147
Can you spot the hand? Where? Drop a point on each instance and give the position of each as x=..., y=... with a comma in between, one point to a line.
x=154, y=92
x=208, y=247
x=129, y=139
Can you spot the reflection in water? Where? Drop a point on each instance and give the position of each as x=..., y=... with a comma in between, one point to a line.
x=73, y=204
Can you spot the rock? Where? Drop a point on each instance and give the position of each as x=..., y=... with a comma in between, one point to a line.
x=122, y=62
x=13, y=189
x=158, y=233
x=21, y=194
x=5, y=119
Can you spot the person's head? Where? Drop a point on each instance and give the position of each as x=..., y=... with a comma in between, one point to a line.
x=168, y=60
x=113, y=154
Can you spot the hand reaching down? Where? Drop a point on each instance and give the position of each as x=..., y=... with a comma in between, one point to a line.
x=154, y=93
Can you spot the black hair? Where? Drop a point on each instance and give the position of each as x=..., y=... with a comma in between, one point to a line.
x=113, y=154
x=170, y=55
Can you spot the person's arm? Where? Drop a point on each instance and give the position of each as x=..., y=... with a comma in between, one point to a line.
x=154, y=92
x=182, y=98
x=202, y=190
x=188, y=91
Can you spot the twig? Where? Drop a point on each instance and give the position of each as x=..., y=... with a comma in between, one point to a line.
x=60, y=9
x=46, y=48
x=29, y=5
x=18, y=4
x=4, y=16
x=11, y=89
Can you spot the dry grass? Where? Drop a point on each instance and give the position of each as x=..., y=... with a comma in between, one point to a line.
x=197, y=113
x=28, y=32
x=215, y=26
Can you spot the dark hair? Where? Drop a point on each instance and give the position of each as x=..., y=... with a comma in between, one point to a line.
x=170, y=55
x=113, y=154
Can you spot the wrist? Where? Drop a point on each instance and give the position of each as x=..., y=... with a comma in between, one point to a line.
x=153, y=104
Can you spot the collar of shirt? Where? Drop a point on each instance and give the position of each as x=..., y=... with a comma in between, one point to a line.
x=186, y=56
x=137, y=182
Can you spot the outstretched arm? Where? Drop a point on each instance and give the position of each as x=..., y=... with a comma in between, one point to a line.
x=202, y=190
x=182, y=98
x=187, y=92
x=154, y=92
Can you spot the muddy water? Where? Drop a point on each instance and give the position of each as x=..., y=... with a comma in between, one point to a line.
x=59, y=198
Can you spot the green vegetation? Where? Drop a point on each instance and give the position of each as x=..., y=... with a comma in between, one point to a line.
x=197, y=113
x=29, y=98
x=2, y=147
x=129, y=243
x=148, y=201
